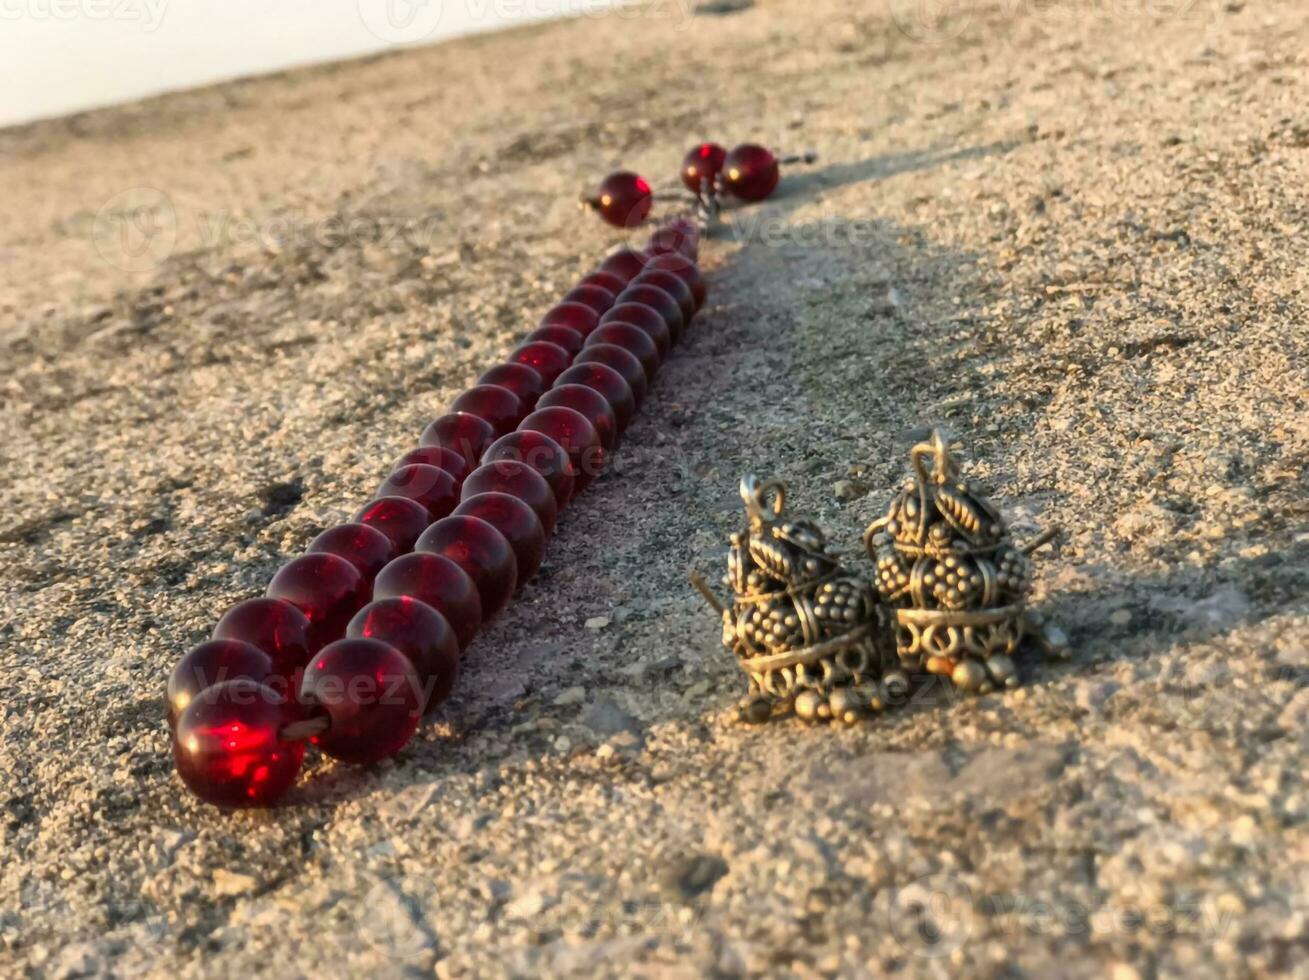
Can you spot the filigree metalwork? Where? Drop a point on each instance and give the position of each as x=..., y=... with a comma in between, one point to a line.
x=806, y=632
x=956, y=582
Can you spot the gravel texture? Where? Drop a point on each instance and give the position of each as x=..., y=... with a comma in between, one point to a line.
x=1072, y=234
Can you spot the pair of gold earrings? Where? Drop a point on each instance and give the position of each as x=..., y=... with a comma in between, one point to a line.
x=948, y=598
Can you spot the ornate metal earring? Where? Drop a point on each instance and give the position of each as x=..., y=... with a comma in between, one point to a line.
x=806, y=631
x=958, y=585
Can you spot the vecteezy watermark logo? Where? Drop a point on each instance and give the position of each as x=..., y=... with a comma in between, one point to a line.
x=932, y=21
x=399, y=912
x=136, y=229
x=148, y=13
x=401, y=21
x=932, y=916
x=936, y=915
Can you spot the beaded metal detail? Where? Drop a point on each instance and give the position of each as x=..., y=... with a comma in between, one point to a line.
x=806, y=632
x=957, y=583
x=949, y=598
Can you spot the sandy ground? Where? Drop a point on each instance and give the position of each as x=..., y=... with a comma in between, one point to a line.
x=1074, y=235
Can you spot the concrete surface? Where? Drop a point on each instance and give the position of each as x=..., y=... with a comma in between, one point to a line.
x=1074, y=234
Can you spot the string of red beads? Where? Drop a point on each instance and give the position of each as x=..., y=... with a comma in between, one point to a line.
x=357, y=638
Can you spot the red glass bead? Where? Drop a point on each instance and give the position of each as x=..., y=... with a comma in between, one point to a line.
x=516, y=521
x=592, y=405
x=605, y=280
x=481, y=551
x=575, y=434
x=621, y=360
x=577, y=316
x=632, y=339
x=624, y=199
x=372, y=696
x=494, y=403
x=546, y=359
x=750, y=172
x=542, y=454
x=326, y=588
x=518, y=378
x=625, y=264
x=701, y=166
x=674, y=286
x=228, y=746
x=660, y=301
x=556, y=333
x=439, y=582
x=590, y=295
x=275, y=627
x=439, y=456
x=688, y=272
x=434, y=488
x=676, y=238
x=466, y=434
x=421, y=634
x=215, y=662
x=609, y=383
x=645, y=317
x=399, y=518
x=519, y=480
x=364, y=547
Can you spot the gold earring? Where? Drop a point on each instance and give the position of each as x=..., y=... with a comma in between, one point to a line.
x=954, y=579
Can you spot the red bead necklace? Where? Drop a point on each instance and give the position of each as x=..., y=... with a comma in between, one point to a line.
x=357, y=638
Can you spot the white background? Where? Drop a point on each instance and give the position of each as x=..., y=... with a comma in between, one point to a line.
x=60, y=56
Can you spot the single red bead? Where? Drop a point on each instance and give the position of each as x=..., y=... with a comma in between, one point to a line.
x=609, y=383
x=371, y=694
x=675, y=286
x=556, y=333
x=688, y=272
x=516, y=521
x=676, y=262
x=605, y=280
x=440, y=456
x=647, y=318
x=577, y=316
x=542, y=454
x=644, y=294
x=546, y=359
x=750, y=172
x=621, y=360
x=624, y=199
x=524, y=382
x=494, y=403
x=364, y=547
x=421, y=634
x=399, y=518
x=676, y=238
x=519, y=480
x=228, y=745
x=481, y=551
x=579, y=438
x=431, y=486
x=632, y=339
x=701, y=166
x=625, y=264
x=326, y=588
x=439, y=582
x=215, y=662
x=592, y=405
x=589, y=295
x=276, y=627
x=466, y=434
